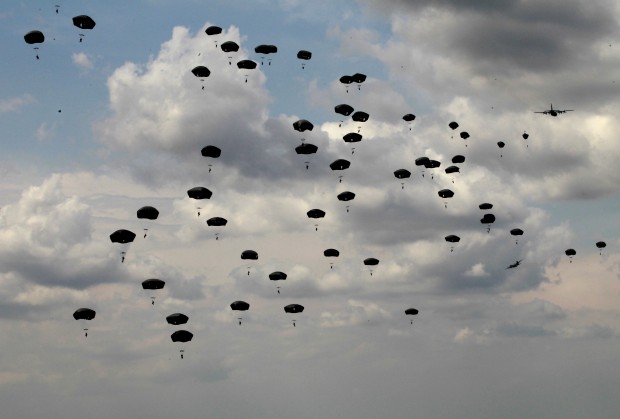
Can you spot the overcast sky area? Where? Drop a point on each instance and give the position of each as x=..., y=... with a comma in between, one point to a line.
x=95, y=130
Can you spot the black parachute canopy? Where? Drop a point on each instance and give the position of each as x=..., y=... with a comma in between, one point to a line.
x=306, y=148
x=371, y=261
x=211, y=151
x=445, y=193
x=422, y=161
x=452, y=169
x=453, y=125
x=201, y=71
x=181, y=336
x=229, y=46
x=83, y=22
x=516, y=232
x=360, y=116
x=217, y=221
x=340, y=164
x=464, y=135
x=344, y=109
x=485, y=206
x=277, y=276
x=122, y=236
x=266, y=49
x=500, y=144
x=148, y=212
x=249, y=254
x=303, y=125
x=452, y=238
x=239, y=306
x=34, y=37
x=458, y=159
x=402, y=173
x=525, y=135
x=246, y=65
x=199, y=192
x=294, y=308
x=352, y=137
x=304, y=55
x=316, y=213
x=153, y=284
x=213, y=30
x=346, y=196
x=601, y=244
x=84, y=314
x=411, y=311
x=570, y=252
x=331, y=253
x=346, y=80
x=431, y=164
x=358, y=78
x=409, y=117
x=487, y=219
x=177, y=319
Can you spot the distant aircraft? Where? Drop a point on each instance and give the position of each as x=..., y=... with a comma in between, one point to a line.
x=514, y=265
x=554, y=112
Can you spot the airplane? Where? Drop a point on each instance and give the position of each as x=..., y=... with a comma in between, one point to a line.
x=514, y=265
x=554, y=112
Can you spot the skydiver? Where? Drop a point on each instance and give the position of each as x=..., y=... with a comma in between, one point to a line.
x=152, y=302
x=278, y=291
x=122, y=259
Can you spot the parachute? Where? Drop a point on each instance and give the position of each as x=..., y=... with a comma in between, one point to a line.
x=352, y=137
x=422, y=161
x=346, y=196
x=516, y=232
x=249, y=255
x=458, y=159
x=453, y=125
x=344, y=110
x=199, y=192
x=452, y=169
x=331, y=253
x=123, y=237
x=601, y=245
x=277, y=276
x=211, y=151
x=84, y=314
x=316, y=213
x=358, y=78
x=409, y=118
x=303, y=125
x=485, y=206
x=371, y=262
x=452, y=239
x=340, y=164
x=182, y=336
x=246, y=65
x=148, y=213
x=229, y=46
x=83, y=22
x=488, y=219
x=305, y=149
x=153, y=284
x=34, y=37
x=445, y=194
x=360, y=116
x=500, y=144
x=265, y=49
x=217, y=222
x=411, y=312
x=177, y=319
x=202, y=73
x=239, y=306
x=402, y=174
x=294, y=309
x=570, y=253
x=304, y=55
x=213, y=30
x=346, y=80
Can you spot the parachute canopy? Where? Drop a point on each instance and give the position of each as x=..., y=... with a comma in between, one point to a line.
x=306, y=148
x=452, y=238
x=153, y=284
x=487, y=219
x=453, y=125
x=601, y=244
x=177, y=319
x=570, y=252
x=346, y=196
x=229, y=46
x=303, y=125
x=201, y=71
x=402, y=174
x=458, y=159
x=304, y=55
x=452, y=169
x=181, y=336
x=148, y=212
x=217, y=221
x=34, y=37
x=213, y=30
x=249, y=254
x=316, y=213
x=211, y=151
x=464, y=135
x=422, y=161
x=340, y=164
x=352, y=137
x=360, y=116
x=266, y=49
x=277, y=276
x=409, y=117
x=371, y=261
x=516, y=232
x=122, y=236
x=358, y=78
x=331, y=253
x=344, y=109
x=294, y=308
x=83, y=22
x=199, y=192
x=239, y=306
x=485, y=206
x=84, y=314
x=445, y=193
x=246, y=65
x=411, y=311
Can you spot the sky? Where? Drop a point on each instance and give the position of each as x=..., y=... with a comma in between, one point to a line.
x=95, y=130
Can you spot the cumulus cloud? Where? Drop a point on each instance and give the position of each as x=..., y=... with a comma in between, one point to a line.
x=15, y=103
x=82, y=60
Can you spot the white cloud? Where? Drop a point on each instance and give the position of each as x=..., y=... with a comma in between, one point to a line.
x=82, y=60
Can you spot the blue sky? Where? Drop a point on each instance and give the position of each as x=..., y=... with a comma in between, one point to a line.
x=540, y=340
